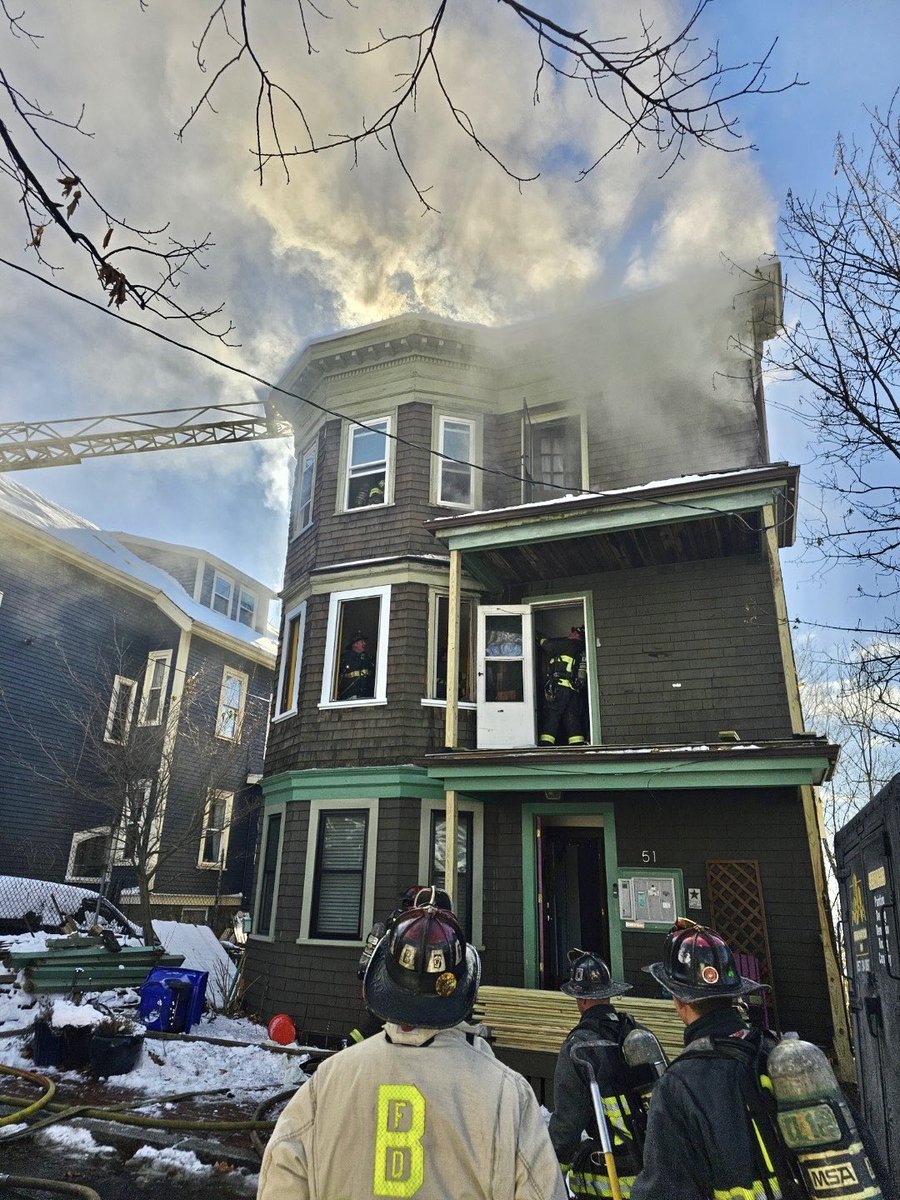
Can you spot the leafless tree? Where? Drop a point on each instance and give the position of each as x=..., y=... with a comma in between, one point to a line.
x=847, y=697
x=660, y=91
x=133, y=774
x=843, y=256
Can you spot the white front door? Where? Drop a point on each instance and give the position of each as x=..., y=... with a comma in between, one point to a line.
x=505, y=677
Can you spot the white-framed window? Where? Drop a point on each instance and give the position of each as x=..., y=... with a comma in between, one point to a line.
x=232, y=700
x=552, y=452
x=268, y=873
x=194, y=916
x=368, y=463
x=156, y=680
x=291, y=656
x=216, y=827
x=356, y=647
x=302, y=514
x=339, y=883
x=437, y=656
x=455, y=475
x=468, y=894
x=223, y=590
x=121, y=710
x=135, y=814
x=246, y=607
x=88, y=855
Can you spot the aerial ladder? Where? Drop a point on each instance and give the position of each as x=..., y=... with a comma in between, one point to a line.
x=25, y=445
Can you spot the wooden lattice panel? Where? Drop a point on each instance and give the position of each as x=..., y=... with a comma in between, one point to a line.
x=738, y=913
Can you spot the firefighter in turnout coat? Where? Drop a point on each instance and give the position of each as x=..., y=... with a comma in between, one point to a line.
x=563, y=700
x=591, y=984
x=418, y=1110
x=708, y=1134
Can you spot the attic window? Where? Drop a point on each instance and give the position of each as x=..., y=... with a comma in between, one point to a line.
x=247, y=608
x=221, y=597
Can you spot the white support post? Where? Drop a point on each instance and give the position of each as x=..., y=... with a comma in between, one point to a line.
x=451, y=818
x=451, y=723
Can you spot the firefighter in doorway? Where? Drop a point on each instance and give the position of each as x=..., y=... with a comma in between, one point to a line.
x=564, y=695
x=357, y=674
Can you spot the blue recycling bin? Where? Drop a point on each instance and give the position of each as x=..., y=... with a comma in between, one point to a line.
x=172, y=999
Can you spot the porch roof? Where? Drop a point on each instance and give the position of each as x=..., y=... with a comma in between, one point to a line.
x=803, y=759
x=697, y=516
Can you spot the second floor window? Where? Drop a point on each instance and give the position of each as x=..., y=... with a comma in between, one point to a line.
x=121, y=709
x=216, y=822
x=356, y=647
x=455, y=474
x=232, y=699
x=466, y=646
x=367, y=464
x=156, y=679
x=291, y=654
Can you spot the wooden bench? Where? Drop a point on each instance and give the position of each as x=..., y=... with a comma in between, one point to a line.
x=529, y=1026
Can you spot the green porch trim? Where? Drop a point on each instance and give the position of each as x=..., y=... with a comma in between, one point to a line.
x=585, y=775
x=529, y=881
x=549, y=526
x=351, y=783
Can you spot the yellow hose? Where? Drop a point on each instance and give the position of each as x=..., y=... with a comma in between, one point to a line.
x=41, y=1081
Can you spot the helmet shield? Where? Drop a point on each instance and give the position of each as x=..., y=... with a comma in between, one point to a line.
x=699, y=965
x=423, y=972
x=589, y=977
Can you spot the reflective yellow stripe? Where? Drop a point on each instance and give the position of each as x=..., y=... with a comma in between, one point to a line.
x=755, y=1192
x=584, y=1184
x=355, y=1036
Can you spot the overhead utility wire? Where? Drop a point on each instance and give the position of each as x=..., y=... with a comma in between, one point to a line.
x=342, y=416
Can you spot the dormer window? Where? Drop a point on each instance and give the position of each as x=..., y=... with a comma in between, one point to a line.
x=223, y=589
x=367, y=464
x=247, y=608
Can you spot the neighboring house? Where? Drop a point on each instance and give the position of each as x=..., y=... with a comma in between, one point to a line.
x=626, y=488
x=103, y=636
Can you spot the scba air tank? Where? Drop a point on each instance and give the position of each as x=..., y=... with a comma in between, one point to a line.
x=817, y=1126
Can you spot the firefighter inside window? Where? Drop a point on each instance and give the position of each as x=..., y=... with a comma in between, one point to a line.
x=356, y=677
x=563, y=707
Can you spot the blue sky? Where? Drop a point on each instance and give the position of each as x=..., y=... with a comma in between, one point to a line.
x=341, y=247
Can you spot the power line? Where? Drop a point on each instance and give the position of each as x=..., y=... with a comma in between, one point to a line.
x=396, y=438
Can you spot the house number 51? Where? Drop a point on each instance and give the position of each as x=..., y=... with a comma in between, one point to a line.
x=648, y=856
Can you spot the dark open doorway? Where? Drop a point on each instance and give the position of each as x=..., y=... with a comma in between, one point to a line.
x=572, y=890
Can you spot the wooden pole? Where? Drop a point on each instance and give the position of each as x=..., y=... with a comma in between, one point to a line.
x=451, y=818
x=812, y=814
x=451, y=723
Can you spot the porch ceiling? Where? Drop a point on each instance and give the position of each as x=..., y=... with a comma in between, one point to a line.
x=696, y=517
x=656, y=545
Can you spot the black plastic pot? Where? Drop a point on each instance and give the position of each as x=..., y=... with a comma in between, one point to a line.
x=67, y=1047
x=115, y=1054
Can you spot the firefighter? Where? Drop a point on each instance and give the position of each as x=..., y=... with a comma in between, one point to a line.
x=562, y=707
x=711, y=1134
x=418, y=1110
x=592, y=986
x=357, y=673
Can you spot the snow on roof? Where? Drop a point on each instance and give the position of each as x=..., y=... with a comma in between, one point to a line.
x=593, y=496
x=94, y=544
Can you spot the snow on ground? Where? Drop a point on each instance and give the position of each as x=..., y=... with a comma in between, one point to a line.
x=71, y=1139
x=149, y=1163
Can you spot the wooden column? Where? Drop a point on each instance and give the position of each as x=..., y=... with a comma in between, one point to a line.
x=812, y=812
x=451, y=722
x=451, y=816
